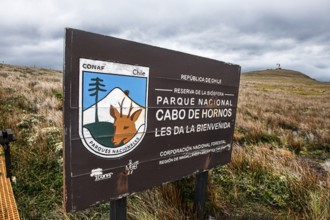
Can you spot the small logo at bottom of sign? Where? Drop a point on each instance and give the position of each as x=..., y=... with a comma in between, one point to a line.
x=130, y=167
x=98, y=174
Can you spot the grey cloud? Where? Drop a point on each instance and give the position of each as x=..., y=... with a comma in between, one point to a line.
x=255, y=34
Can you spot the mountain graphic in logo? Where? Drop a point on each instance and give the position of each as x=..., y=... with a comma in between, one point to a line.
x=113, y=111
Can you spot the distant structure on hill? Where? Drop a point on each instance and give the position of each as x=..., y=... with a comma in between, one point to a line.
x=278, y=66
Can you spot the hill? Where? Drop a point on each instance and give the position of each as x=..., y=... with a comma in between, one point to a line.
x=278, y=74
x=291, y=81
x=279, y=168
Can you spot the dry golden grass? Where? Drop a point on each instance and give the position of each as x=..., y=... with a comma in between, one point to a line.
x=165, y=202
x=278, y=171
x=30, y=104
x=282, y=133
x=293, y=109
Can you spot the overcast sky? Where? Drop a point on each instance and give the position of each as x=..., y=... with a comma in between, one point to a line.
x=254, y=34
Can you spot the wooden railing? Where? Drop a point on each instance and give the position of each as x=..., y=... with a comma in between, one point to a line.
x=8, y=208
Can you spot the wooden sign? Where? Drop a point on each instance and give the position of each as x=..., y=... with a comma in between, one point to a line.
x=137, y=116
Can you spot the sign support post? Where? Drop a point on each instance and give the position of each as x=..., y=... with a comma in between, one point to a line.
x=118, y=209
x=200, y=193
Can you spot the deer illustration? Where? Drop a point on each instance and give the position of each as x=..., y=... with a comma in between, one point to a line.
x=124, y=124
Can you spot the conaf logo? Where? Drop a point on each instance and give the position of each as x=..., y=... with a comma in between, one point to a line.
x=112, y=107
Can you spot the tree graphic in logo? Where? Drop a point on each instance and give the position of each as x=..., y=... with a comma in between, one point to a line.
x=96, y=88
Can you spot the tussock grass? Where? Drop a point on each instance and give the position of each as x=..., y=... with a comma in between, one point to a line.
x=279, y=169
x=28, y=107
x=300, y=122
x=165, y=202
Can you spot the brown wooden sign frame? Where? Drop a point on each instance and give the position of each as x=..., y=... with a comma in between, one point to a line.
x=137, y=116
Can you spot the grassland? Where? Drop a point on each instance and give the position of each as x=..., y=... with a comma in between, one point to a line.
x=279, y=170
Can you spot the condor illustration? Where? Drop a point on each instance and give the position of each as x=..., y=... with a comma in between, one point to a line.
x=113, y=107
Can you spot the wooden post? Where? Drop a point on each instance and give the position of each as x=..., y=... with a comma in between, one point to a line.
x=118, y=209
x=8, y=161
x=200, y=194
